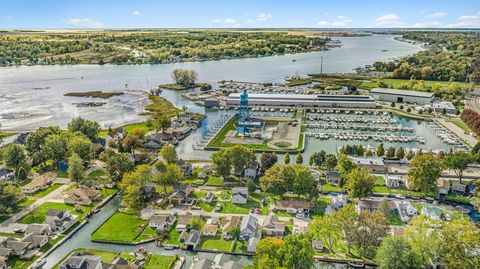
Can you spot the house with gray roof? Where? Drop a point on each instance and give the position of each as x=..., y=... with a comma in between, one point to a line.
x=203, y=264
x=81, y=261
x=38, y=229
x=60, y=220
x=193, y=239
x=239, y=195
x=248, y=227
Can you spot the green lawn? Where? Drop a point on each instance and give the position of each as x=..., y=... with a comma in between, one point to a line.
x=17, y=263
x=46, y=191
x=330, y=188
x=394, y=219
x=122, y=227
x=38, y=215
x=160, y=262
x=96, y=174
x=6, y=134
x=174, y=237
x=214, y=180
x=105, y=192
x=27, y=202
x=380, y=187
x=206, y=206
x=51, y=243
x=229, y=207
x=215, y=243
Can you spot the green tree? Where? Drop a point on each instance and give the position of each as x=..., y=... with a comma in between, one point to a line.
x=117, y=165
x=400, y=153
x=80, y=146
x=131, y=142
x=75, y=168
x=304, y=182
x=222, y=162
x=267, y=253
x=169, y=154
x=318, y=158
x=360, y=183
x=344, y=166
x=297, y=252
x=327, y=229
x=460, y=238
x=13, y=156
x=380, y=150
x=384, y=207
x=273, y=180
x=424, y=239
x=368, y=232
x=87, y=127
x=410, y=155
x=360, y=150
x=240, y=156
x=267, y=160
x=424, y=171
x=287, y=158
x=299, y=158
x=10, y=197
x=396, y=253
x=170, y=176
x=55, y=148
x=330, y=161
x=346, y=217
x=164, y=123
x=184, y=77
x=369, y=152
x=251, y=186
x=458, y=162
x=390, y=153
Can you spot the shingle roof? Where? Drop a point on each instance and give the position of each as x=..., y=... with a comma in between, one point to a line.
x=402, y=92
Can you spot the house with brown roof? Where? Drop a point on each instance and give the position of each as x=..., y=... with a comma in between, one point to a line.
x=272, y=227
x=210, y=230
x=81, y=196
x=372, y=205
x=184, y=221
x=228, y=224
x=18, y=248
x=293, y=206
x=39, y=183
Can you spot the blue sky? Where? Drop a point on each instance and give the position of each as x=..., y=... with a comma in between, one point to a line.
x=236, y=13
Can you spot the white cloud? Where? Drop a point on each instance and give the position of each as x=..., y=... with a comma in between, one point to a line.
x=84, y=23
x=137, y=13
x=262, y=17
x=341, y=22
x=466, y=21
x=429, y=24
x=436, y=15
x=225, y=21
x=389, y=20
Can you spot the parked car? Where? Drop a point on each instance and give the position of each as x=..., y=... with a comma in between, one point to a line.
x=218, y=207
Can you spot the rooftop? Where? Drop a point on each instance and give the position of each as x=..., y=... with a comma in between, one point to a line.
x=402, y=92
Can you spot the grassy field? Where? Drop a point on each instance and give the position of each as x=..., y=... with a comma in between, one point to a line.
x=38, y=215
x=161, y=106
x=215, y=243
x=96, y=174
x=174, y=237
x=174, y=86
x=122, y=227
x=46, y=191
x=5, y=134
x=380, y=187
x=214, y=180
x=159, y=262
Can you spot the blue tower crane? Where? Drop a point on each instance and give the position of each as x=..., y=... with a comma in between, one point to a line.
x=243, y=117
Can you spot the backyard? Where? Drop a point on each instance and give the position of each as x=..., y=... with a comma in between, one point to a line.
x=38, y=215
x=219, y=244
x=125, y=228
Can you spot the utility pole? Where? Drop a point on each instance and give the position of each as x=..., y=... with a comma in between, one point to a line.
x=321, y=66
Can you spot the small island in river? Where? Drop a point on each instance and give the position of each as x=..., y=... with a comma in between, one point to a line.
x=94, y=94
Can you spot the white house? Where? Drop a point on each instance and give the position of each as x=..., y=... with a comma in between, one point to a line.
x=251, y=169
x=60, y=220
x=210, y=230
x=161, y=221
x=240, y=195
x=432, y=212
x=252, y=244
x=393, y=181
x=248, y=227
x=339, y=201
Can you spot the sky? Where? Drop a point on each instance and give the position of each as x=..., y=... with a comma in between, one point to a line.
x=239, y=14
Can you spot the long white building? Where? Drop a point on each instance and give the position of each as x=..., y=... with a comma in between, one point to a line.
x=402, y=96
x=304, y=100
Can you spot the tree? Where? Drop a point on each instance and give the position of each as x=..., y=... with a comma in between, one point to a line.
x=169, y=154
x=117, y=165
x=384, y=208
x=330, y=161
x=184, y=77
x=251, y=186
x=380, y=150
x=360, y=183
x=13, y=156
x=22, y=170
x=458, y=162
x=267, y=160
x=75, y=168
x=131, y=142
x=222, y=162
x=132, y=196
x=140, y=132
x=360, y=150
x=424, y=172
x=299, y=158
x=460, y=238
x=369, y=152
x=304, y=182
x=170, y=176
x=10, y=197
x=344, y=166
x=390, y=153
x=318, y=158
x=410, y=155
x=164, y=123
x=267, y=253
x=240, y=156
x=87, y=127
x=326, y=229
x=400, y=153
x=55, y=148
x=423, y=238
x=273, y=180
x=346, y=217
x=297, y=252
x=368, y=232
x=287, y=158
x=396, y=253
x=81, y=146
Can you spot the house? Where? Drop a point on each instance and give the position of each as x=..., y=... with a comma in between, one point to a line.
x=393, y=181
x=299, y=227
x=161, y=221
x=333, y=177
x=186, y=167
x=444, y=107
x=6, y=174
x=317, y=245
x=203, y=264
x=210, y=230
x=154, y=141
x=248, y=227
x=339, y=201
x=137, y=158
x=39, y=183
x=373, y=205
x=18, y=248
x=148, y=192
x=252, y=244
x=239, y=195
x=180, y=194
x=116, y=136
x=38, y=229
x=36, y=241
x=228, y=224
x=431, y=211
x=59, y=220
x=272, y=227
x=405, y=210
x=232, y=265
x=458, y=188
x=443, y=189
x=193, y=239
x=184, y=221
x=221, y=259
x=374, y=164
x=5, y=253
x=293, y=206
x=81, y=261
x=328, y=210
x=251, y=169
x=81, y=196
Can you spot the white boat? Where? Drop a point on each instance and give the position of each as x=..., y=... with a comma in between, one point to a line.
x=37, y=264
